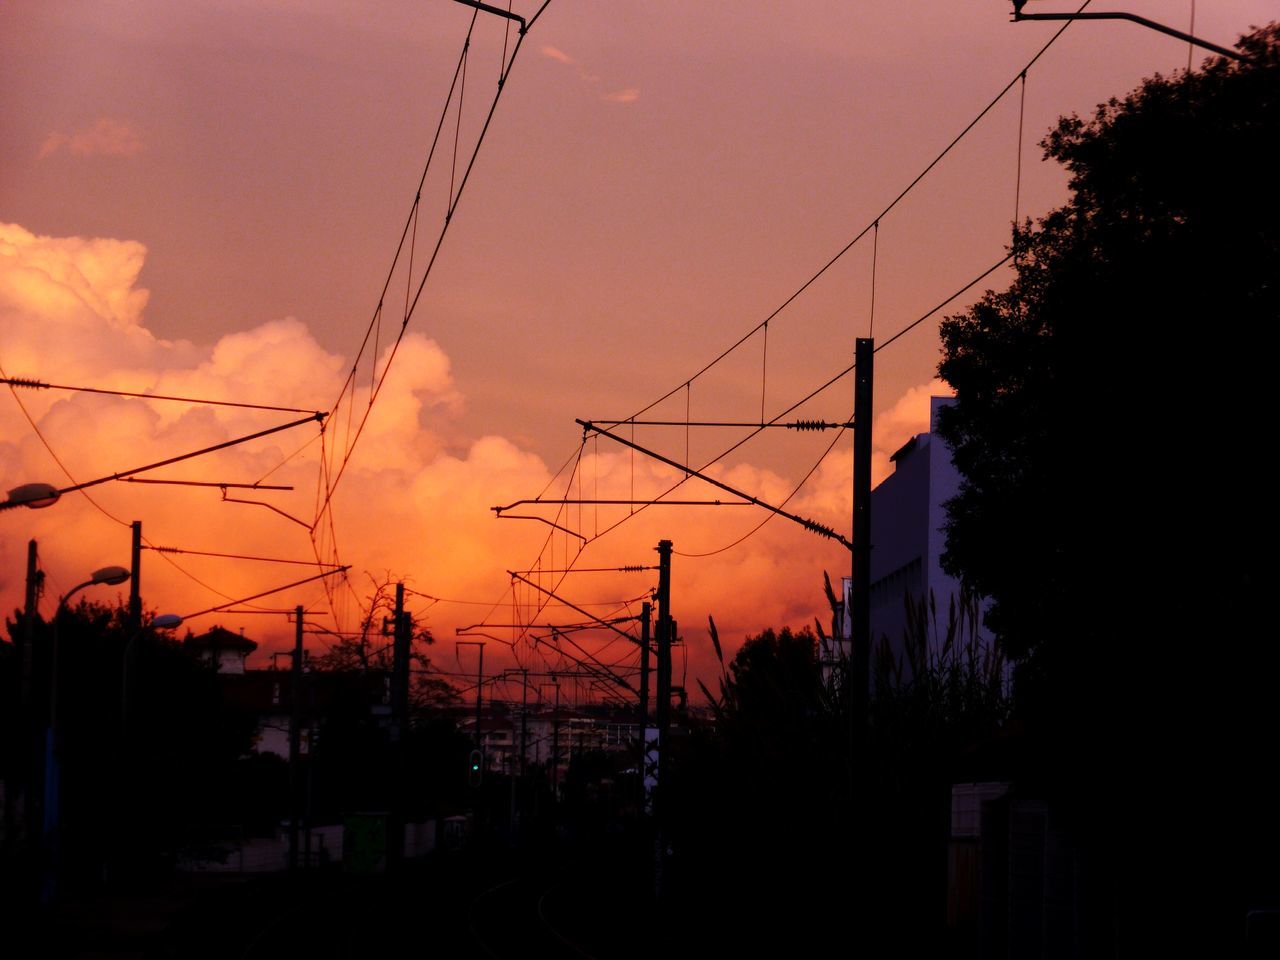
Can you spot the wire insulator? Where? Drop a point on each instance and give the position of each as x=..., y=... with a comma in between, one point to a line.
x=810, y=425
x=820, y=529
x=25, y=382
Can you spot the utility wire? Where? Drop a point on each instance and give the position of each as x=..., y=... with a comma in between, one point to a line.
x=873, y=226
x=264, y=593
x=833, y=380
x=231, y=556
x=332, y=478
x=56, y=459
x=40, y=385
x=454, y=200
x=875, y=252
x=869, y=227
x=803, y=480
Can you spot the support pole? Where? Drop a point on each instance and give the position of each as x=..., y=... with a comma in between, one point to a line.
x=479, y=704
x=400, y=637
x=30, y=750
x=645, y=617
x=555, y=747
x=662, y=713
x=135, y=579
x=295, y=737
x=860, y=589
x=524, y=719
x=524, y=744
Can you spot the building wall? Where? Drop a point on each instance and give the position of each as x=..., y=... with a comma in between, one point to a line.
x=908, y=514
x=900, y=517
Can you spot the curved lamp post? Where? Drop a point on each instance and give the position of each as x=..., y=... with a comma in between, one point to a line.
x=110, y=576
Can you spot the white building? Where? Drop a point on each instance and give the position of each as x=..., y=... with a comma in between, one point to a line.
x=908, y=514
x=221, y=649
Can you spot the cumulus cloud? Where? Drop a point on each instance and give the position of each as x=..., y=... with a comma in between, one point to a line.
x=895, y=426
x=106, y=137
x=71, y=313
x=415, y=496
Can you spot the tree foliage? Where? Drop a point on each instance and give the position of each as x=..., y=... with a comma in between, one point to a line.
x=1106, y=398
x=372, y=650
x=1111, y=406
x=142, y=780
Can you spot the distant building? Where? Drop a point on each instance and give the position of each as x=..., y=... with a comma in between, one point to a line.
x=220, y=648
x=499, y=740
x=551, y=736
x=908, y=514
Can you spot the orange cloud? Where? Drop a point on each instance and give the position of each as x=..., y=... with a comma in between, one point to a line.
x=629, y=95
x=556, y=54
x=895, y=426
x=415, y=498
x=620, y=96
x=107, y=137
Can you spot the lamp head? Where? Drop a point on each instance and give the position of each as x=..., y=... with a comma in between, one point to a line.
x=34, y=495
x=110, y=576
x=166, y=621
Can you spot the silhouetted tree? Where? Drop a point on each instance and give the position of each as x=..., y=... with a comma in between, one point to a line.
x=355, y=762
x=371, y=650
x=755, y=795
x=140, y=789
x=1109, y=407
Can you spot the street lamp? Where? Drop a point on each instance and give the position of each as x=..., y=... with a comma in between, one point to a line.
x=110, y=576
x=33, y=495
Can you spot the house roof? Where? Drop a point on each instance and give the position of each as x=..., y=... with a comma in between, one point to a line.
x=219, y=638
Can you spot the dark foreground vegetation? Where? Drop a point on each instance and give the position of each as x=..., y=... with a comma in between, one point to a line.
x=1111, y=416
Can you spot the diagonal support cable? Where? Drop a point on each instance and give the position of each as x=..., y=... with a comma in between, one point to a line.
x=317, y=417
x=267, y=593
x=821, y=529
x=604, y=623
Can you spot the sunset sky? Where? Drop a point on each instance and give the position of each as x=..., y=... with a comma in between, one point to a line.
x=203, y=199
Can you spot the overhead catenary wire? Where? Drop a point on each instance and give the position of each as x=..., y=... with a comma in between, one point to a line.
x=265, y=593
x=213, y=448
x=875, y=251
x=870, y=226
x=324, y=534
x=229, y=556
x=800, y=425
x=803, y=480
x=874, y=226
x=808, y=524
x=142, y=395
x=80, y=488
x=455, y=197
x=830, y=382
x=44, y=441
x=755, y=431
x=375, y=322
x=1017, y=178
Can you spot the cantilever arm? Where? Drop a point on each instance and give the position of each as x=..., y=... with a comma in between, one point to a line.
x=1018, y=15
x=821, y=529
